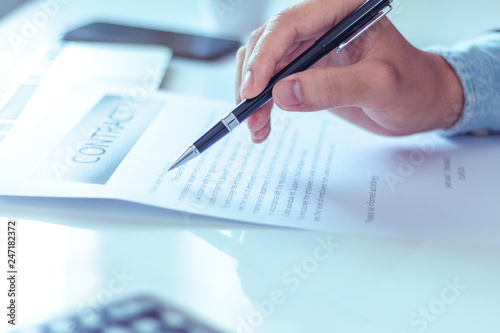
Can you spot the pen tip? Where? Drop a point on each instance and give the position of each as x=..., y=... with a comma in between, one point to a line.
x=190, y=153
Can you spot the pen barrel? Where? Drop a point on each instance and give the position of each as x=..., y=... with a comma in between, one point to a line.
x=324, y=45
x=301, y=63
x=248, y=106
x=351, y=24
x=214, y=134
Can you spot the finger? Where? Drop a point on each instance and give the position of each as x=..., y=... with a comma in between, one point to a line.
x=247, y=79
x=240, y=57
x=258, y=123
x=302, y=21
x=262, y=134
x=367, y=83
x=260, y=118
x=247, y=76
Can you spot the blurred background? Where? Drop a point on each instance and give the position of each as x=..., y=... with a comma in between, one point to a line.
x=423, y=22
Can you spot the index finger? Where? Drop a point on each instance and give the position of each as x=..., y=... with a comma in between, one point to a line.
x=302, y=21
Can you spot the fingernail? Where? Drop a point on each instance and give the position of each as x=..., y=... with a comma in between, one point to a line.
x=247, y=83
x=257, y=138
x=288, y=93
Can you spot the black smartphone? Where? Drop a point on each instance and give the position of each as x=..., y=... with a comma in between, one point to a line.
x=183, y=45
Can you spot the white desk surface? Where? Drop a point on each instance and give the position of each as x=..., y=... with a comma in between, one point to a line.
x=255, y=279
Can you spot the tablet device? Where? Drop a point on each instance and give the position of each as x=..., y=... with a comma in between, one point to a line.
x=183, y=45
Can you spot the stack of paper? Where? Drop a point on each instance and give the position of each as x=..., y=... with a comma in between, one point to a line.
x=314, y=172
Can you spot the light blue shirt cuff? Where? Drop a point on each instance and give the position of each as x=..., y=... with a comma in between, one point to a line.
x=477, y=64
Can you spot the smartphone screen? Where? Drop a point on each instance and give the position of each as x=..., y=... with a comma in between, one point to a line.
x=183, y=45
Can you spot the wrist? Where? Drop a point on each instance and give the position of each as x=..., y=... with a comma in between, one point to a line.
x=450, y=94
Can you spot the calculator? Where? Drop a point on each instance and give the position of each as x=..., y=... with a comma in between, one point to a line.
x=138, y=314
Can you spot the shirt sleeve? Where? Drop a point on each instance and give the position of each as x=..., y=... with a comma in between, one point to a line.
x=477, y=64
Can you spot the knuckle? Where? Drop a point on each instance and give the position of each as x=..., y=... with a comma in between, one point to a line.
x=240, y=54
x=277, y=18
x=388, y=76
x=387, y=85
x=255, y=36
x=280, y=17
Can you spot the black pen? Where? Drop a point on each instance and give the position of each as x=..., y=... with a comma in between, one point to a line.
x=338, y=37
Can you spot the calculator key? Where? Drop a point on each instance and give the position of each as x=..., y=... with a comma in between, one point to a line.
x=174, y=319
x=93, y=321
x=63, y=325
x=126, y=311
x=117, y=329
x=199, y=329
x=147, y=325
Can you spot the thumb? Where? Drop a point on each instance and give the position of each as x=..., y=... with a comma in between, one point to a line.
x=324, y=88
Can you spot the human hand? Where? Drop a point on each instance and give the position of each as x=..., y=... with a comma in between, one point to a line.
x=378, y=82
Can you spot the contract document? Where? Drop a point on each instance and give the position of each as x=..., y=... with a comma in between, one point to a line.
x=315, y=171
